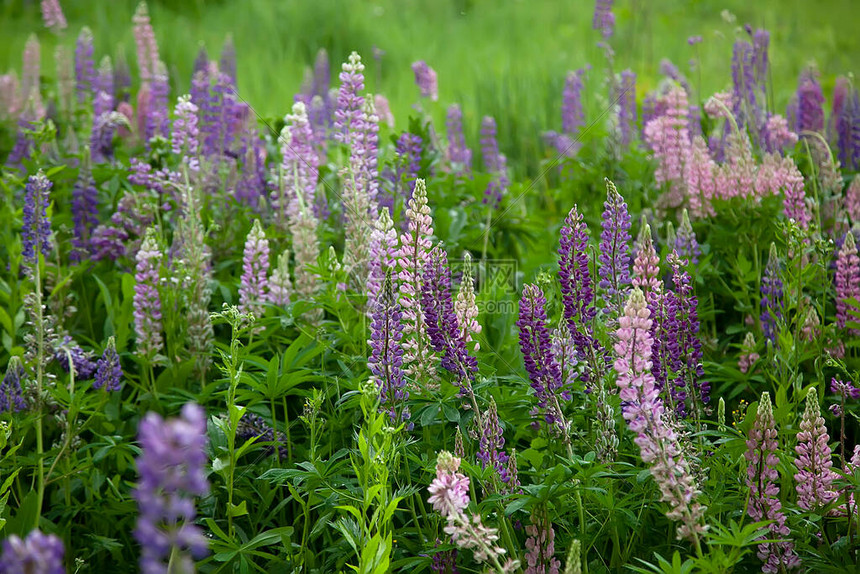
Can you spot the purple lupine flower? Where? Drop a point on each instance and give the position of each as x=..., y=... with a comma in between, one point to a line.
x=255, y=426
x=280, y=285
x=573, y=273
x=36, y=231
x=604, y=19
x=444, y=561
x=109, y=370
x=685, y=348
x=81, y=360
x=349, y=99
x=572, y=114
x=299, y=169
x=847, y=281
x=415, y=246
x=201, y=63
x=383, y=256
x=745, y=107
x=761, y=42
x=614, y=258
x=542, y=367
x=425, y=79
x=147, y=301
x=85, y=72
x=643, y=410
x=459, y=156
x=408, y=150
x=252, y=187
x=442, y=327
x=386, y=357
x=144, y=39
x=540, y=545
x=255, y=272
x=172, y=466
x=104, y=129
x=763, y=482
x=227, y=63
x=38, y=553
x=491, y=443
x=627, y=107
x=185, y=135
x=815, y=475
x=52, y=15
x=848, y=131
x=671, y=71
x=11, y=394
x=157, y=119
x=85, y=213
x=845, y=389
x=748, y=356
x=686, y=243
x=806, y=111
x=668, y=136
x=494, y=162
x=103, y=84
x=771, y=295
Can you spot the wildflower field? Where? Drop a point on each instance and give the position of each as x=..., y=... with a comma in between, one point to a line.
x=583, y=310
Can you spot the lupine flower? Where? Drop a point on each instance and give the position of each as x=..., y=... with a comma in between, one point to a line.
x=425, y=79
x=85, y=72
x=745, y=105
x=227, y=63
x=144, y=39
x=700, y=178
x=794, y=197
x=851, y=202
x=10, y=97
x=491, y=443
x=255, y=272
x=845, y=389
x=36, y=232
x=847, y=281
x=542, y=367
x=280, y=285
x=574, y=558
x=156, y=118
x=574, y=275
x=82, y=362
x=11, y=394
x=38, y=553
x=736, y=177
x=606, y=443
x=466, y=307
x=84, y=213
x=810, y=324
x=407, y=149
x=254, y=426
x=779, y=136
x=748, y=356
x=847, y=128
x=65, y=81
x=383, y=256
x=604, y=19
x=122, y=82
x=627, y=107
x=513, y=476
x=814, y=477
x=103, y=84
x=442, y=327
x=771, y=295
x=52, y=16
x=184, y=137
x=459, y=156
x=444, y=562
x=494, y=162
x=299, y=168
x=572, y=113
x=109, y=371
x=349, y=100
x=307, y=250
x=415, y=245
x=386, y=357
x=31, y=91
x=806, y=110
x=540, y=545
x=646, y=265
x=668, y=136
x=450, y=489
x=172, y=467
x=614, y=258
x=685, y=240
x=147, y=301
x=763, y=483
x=643, y=411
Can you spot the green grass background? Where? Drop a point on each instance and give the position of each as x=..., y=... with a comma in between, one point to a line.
x=505, y=58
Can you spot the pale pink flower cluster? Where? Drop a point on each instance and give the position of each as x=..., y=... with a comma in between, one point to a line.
x=748, y=356
x=847, y=280
x=852, y=200
x=668, y=136
x=147, y=47
x=465, y=306
x=644, y=413
x=52, y=15
x=815, y=475
x=540, y=546
x=254, y=286
x=646, y=265
x=779, y=136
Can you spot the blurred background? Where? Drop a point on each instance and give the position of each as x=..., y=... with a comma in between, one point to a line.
x=506, y=58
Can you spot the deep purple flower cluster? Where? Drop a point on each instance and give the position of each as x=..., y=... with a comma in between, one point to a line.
x=85, y=71
x=85, y=214
x=806, y=109
x=771, y=295
x=845, y=121
x=37, y=554
x=614, y=258
x=36, y=232
x=109, y=371
x=386, y=357
x=172, y=467
x=11, y=395
x=83, y=362
x=604, y=19
x=251, y=426
x=442, y=326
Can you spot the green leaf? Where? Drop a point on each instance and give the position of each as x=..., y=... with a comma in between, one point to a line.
x=240, y=510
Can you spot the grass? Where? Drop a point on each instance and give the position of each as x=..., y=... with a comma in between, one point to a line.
x=505, y=58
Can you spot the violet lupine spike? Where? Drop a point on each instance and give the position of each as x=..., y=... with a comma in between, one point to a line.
x=31, y=91
x=147, y=47
x=572, y=113
x=185, y=135
x=255, y=426
x=157, y=120
x=108, y=373
x=255, y=272
x=687, y=362
x=847, y=281
x=81, y=361
x=848, y=131
x=52, y=16
x=494, y=162
x=614, y=258
x=11, y=393
x=807, y=107
x=466, y=306
x=745, y=107
x=227, y=63
x=349, y=99
x=643, y=410
x=763, y=483
x=815, y=475
x=147, y=301
x=564, y=352
x=280, y=285
x=386, y=357
x=444, y=561
x=201, y=62
x=442, y=328
x=573, y=273
x=459, y=156
x=513, y=485
x=761, y=42
x=85, y=72
x=299, y=168
x=103, y=84
x=541, y=365
x=425, y=79
x=38, y=553
x=686, y=243
x=384, y=248
x=540, y=545
x=415, y=246
x=604, y=19
x=646, y=265
x=627, y=107
x=36, y=231
x=491, y=443
x=85, y=214
x=407, y=149
x=172, y=466
x=771, y=295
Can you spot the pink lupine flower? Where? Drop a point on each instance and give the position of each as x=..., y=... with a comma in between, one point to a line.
x=852, y=200
x=540, y=546
x=646, y=265
x=737, y=176
x=644, y=412
x=147, y=47
x=52, y=15
x=31, y=91
x=383, y=110
x=794, y=197
x=700, y=179
x=450, y=489
x=668, y=136
x=815, y=475
x=255, y=272
x=465, y=305
x=847, y=281
x=748, y=356
x=425, y=79
x=779, y=136
x=719, y=106
x=763, y=483
x=147, y=301
x=280, y=285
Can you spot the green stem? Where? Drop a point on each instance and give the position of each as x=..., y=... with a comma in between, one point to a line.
x=287, y=431
x=40, y=354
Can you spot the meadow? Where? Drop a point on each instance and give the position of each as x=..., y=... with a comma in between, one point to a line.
x=429, y=287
